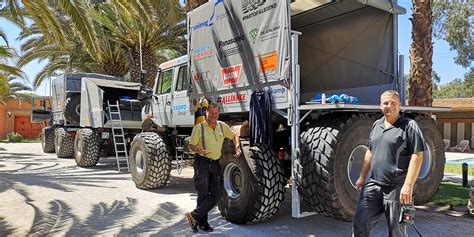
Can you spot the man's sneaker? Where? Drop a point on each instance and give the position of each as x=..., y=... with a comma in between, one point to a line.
x=206, y=227
x=192, y=222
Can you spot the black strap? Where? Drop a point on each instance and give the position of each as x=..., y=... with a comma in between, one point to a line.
x=202, y=134
x=202, y=137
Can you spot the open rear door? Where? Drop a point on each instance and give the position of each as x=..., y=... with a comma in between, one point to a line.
x=41, y=109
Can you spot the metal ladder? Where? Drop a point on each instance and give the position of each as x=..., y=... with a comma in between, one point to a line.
x=118, y=135
x=180, y=163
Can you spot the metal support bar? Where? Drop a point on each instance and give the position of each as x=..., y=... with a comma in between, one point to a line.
x=281, y=113
x=294, y=115
x=305, y=115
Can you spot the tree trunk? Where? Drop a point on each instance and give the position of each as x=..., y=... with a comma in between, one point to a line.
x=149, y=64
x=114, y=68
x=421, y=52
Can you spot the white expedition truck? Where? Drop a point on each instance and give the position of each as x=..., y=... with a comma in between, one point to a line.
x=295, y=51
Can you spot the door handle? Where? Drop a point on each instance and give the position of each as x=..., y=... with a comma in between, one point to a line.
x=168, y=103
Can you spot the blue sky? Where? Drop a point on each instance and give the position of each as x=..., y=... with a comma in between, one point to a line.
x=443, y=62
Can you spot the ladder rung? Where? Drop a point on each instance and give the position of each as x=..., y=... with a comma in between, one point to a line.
x=120, y=143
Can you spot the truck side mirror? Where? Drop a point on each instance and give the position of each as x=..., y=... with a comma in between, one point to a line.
x=145, y=92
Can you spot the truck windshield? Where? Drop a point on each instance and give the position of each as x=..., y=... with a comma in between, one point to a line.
x=164, y=82
x=183, y=82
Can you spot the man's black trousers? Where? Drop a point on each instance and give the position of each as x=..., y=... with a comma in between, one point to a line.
x=208, y=184
x=374, y=201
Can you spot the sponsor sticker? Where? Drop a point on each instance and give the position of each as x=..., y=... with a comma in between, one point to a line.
x=251, y=5
x=232, y=51
x=253, y=8
x=201, y=25
x=269, y=31
x=230, y=75
x=268, y=62
x=229, y=99
x=228, y=42
x=253, y=34
x=179, y=107
x=202, y=52
x=201, y=76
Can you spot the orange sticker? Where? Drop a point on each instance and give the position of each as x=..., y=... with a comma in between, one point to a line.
x=268, y=62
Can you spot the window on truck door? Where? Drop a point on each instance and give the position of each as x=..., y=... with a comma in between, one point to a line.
x=164, y=82
x=183, y=80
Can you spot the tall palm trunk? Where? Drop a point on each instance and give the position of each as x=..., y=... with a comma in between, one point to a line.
x=421, y=52
x=114, y=68
x=149, y=65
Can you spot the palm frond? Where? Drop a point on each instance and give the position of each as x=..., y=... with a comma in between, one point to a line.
x=12, y=70
x=81, y=23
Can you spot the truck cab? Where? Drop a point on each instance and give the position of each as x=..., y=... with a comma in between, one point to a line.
x=171, y=105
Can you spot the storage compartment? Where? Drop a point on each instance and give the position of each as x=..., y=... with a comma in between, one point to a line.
x=346, y=47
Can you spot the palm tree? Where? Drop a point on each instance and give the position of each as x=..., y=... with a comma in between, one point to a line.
x=74, y=46
x=191, y=4
x=421, y=52
x=65, y=34
x=6, y=55
x=160, y=23
x=12, y=89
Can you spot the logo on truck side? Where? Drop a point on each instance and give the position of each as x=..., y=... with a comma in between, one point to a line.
x=268, y=62
x=252, y=8
x=250, y=5
x=228, y=42
x=202, y=52
x=269, y=31
x=253, y=34
x=228, y=99
x=230, y=75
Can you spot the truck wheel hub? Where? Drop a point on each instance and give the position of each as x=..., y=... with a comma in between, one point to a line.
x=426, y=165
x=355, y=163
x=79, y=148
x=232, y=180
x=140, y=161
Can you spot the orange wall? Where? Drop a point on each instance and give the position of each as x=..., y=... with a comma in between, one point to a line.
x=16, y=108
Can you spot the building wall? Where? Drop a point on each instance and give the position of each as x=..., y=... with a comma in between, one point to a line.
x=16, y=109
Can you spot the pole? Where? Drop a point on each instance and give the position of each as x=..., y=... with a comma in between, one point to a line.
x=142, y=74
x=465, y=168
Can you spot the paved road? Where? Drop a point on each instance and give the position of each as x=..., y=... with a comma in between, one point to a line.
x=44, y=195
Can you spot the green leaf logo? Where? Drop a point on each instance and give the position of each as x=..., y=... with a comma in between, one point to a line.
x=253, y=35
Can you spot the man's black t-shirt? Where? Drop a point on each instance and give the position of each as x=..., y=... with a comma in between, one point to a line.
x=392, y=148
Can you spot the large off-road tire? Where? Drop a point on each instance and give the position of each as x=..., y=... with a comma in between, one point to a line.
x=64, y=144
x=254, y=184
x=332, y=154
x=72, y=107
x=47, y=139
x=150, y=161
x=432, y=169
x=86, y=148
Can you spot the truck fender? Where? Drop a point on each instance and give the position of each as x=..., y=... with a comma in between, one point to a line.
x=150, y=124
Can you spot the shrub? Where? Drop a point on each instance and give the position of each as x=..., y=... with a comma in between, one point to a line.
x=14, y=137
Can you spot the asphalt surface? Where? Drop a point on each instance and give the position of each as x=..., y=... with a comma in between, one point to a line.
x=41, y=194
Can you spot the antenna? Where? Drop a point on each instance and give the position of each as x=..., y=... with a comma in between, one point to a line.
x=141, y=56
x=142, y=72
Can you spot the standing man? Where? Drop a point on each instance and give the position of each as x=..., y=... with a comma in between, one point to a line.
x=395, y=155
x=206, y=142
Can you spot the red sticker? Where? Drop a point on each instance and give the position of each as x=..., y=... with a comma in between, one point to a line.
x=230, y=75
